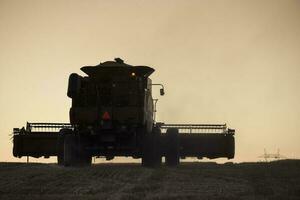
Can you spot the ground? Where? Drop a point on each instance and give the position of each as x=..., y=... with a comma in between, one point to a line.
x=273, y=180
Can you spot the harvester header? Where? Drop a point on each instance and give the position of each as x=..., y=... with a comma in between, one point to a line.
x=113, y=114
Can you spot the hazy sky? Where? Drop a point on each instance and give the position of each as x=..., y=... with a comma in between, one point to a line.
x=234, y=62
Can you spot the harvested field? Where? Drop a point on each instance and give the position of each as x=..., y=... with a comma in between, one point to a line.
x=275, y=180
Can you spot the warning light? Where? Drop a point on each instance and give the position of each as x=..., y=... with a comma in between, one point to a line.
x=106, y=116
x=132, y=74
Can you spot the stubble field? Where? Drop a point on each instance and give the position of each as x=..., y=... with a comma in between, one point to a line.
x=274, y=180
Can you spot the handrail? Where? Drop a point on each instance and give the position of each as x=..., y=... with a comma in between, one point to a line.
x=197, y=128
x=48, y=127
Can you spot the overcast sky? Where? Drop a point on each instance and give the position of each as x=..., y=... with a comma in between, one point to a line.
x=234, y=62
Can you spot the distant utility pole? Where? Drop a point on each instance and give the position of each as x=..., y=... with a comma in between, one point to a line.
x=275, y=156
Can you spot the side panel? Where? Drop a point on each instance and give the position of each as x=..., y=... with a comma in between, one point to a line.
x=206, y=145
x=35, y=144
x=191, y=145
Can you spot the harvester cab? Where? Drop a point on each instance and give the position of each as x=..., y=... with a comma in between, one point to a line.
x=114, y=94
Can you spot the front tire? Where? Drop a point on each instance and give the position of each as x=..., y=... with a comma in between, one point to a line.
x=172, y=147
x=60, y=145
x=151, y=155
x=70, y=153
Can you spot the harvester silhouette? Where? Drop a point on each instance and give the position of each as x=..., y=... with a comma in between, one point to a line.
x=113, y=114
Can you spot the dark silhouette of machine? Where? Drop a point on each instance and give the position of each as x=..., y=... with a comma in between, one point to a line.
x=113, y=114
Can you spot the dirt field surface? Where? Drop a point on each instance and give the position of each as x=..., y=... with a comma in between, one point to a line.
x=274, y=180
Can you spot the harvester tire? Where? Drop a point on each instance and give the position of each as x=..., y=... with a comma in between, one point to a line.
x=151, y=149
x=172, y=147
x=157, y=154
x=60, y=145
x=70, y=151
x=88, y=160
x=147, y=160
x=83, y=158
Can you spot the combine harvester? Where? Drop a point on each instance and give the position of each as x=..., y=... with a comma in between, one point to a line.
x=112, y=114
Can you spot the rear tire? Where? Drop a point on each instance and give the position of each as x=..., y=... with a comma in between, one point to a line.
x=157, y=146
x=70, y=153
x=151, y=149
x=60, y=145
x=147, y=160
x=172, y=147
x=88, y=160
x=84, y=159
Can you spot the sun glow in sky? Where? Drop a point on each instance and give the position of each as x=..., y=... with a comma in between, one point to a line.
x=234, y=62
